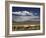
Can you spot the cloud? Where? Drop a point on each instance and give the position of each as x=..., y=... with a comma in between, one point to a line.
x=23, y=13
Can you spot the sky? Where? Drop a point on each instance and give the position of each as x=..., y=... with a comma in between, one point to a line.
x=21, y=11
x=14, y=9
x=29, y=9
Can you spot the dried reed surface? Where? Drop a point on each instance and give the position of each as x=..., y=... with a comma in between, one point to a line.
x=25, y=26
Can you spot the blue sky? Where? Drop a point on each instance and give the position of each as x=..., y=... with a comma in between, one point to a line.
x=29, y=9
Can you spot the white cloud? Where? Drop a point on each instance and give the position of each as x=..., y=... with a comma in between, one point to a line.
x=17, y=12
x=26, y=12
x=23, y=13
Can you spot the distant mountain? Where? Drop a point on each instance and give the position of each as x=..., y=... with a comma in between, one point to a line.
x=25, y=18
